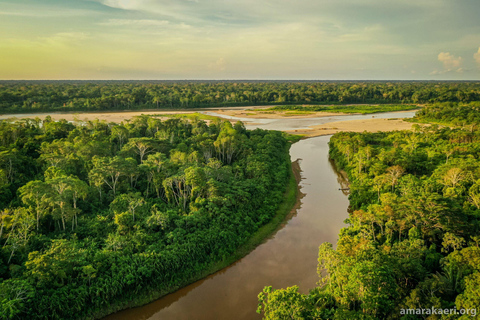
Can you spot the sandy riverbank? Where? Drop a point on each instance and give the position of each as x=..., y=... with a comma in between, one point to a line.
x=260, y=113
x=118, y=116
x=252, y=112
x=369, y=125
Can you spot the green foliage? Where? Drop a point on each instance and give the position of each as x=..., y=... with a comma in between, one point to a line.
x=412, y=236
x=94, y=214
x=15, y=295
x=34, y=96
x=283, y=304
x=363, y=109
x=451, y=113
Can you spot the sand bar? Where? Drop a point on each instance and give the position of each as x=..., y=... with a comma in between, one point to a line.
x=369, y=125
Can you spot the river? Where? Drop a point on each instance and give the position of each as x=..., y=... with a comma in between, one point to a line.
x=287, y=258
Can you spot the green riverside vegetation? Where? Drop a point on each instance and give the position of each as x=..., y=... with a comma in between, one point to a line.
x=450, y=113
x=99, y=216
x=412, y=240
x=363, y=109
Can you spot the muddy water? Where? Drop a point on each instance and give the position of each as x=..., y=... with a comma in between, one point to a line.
x=288, y=258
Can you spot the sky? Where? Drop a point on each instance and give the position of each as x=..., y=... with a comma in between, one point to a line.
x=240, y=39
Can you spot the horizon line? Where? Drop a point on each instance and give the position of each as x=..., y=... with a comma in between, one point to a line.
x=303, y=80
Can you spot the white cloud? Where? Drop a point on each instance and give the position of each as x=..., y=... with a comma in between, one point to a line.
x=134, y=22
x=124, y=4
x=476, y=56
x=45, y=12
x=450, y=62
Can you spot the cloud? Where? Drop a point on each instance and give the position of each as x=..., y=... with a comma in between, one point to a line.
x=134, y=22
x=124, y=4
x=476, y=56
x=219, y=65
x=349, y=39
x=45, y=12
x=450, y=62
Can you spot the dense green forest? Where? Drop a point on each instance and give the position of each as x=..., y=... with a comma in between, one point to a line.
x=22, y=96
x=412, y=239
x=97, y=216
x=450, y=113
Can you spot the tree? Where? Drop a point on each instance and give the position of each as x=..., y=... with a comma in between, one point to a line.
x=78, y=189
x=120, y=133
x=57, y=153
x=451, y=241
x=9, y=160
x=228, y=143
x=177, y=190
x=20, y=231
x=38, y=196
x=153, y=166
x=14, y=296
x=108, y=171
x=379, y=182
x=60, y=184
x=141, y=146
x=474, y=194
x=453, y=177
x=4, y=217
x=283, y=304
x=58, y=265
x=394, y=173
x=127, y=202
x=66, y=191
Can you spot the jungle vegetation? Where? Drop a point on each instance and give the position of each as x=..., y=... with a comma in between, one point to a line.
x=412, y=240
x=94, y=215
x=37, y=96
x=450, y=113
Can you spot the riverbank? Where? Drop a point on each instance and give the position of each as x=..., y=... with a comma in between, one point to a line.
x=291, y=201
x=119, y=116
x=369, y=125
x=261, y=113
x=116, y=116
x=254, y=112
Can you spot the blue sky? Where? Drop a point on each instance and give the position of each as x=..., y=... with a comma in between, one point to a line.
x=242, y=39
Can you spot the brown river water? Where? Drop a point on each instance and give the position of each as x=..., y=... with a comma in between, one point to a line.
x=287, y=258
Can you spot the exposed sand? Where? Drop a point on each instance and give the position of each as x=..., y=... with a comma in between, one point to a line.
x=254, y=112
x=107, y=116
x=257, y=113
x=369, y=125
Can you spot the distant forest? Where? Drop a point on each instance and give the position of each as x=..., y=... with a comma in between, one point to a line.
x=18, y=96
